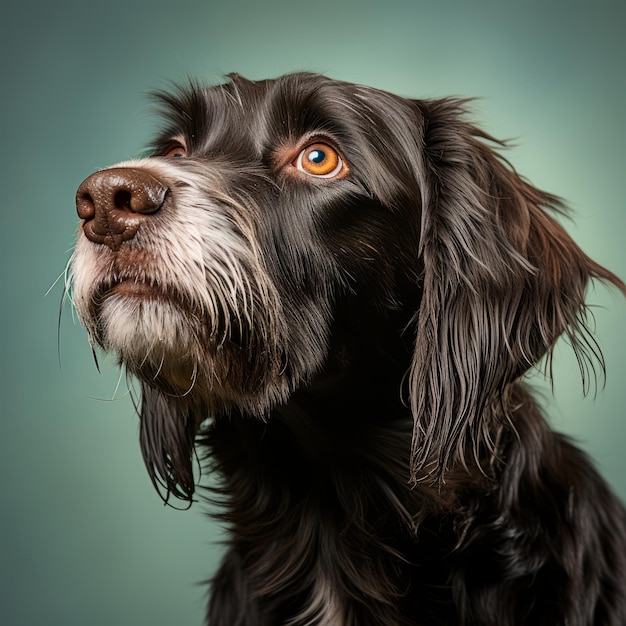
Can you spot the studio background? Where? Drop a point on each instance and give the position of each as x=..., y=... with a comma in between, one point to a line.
x=84, y=539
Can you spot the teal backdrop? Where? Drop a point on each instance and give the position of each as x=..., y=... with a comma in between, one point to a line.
x=84, y=539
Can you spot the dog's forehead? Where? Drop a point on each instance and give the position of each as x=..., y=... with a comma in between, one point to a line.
x=294, y=92
x=245, y=111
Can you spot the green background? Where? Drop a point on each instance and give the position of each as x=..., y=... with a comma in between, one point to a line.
x=84, y=540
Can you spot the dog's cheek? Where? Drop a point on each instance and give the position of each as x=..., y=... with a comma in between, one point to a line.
x=373, y=247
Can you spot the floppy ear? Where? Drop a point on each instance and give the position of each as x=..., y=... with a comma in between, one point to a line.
x=502, y=281
x=167, y=434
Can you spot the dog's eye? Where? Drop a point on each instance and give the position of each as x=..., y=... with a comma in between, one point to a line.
x=175, y=151
x=320, y=160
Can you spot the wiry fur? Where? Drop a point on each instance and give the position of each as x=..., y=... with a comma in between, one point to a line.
x=359, y=344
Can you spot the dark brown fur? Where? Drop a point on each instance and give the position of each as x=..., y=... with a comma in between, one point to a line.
x=379, y=457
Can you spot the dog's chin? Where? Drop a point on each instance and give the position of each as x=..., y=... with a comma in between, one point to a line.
x=163, y=344
x=153, y=338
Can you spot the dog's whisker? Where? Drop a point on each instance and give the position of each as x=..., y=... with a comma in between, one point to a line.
x=62, y=276
x=117, y=386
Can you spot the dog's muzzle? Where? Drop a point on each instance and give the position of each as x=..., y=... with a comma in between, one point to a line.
x=112, y=204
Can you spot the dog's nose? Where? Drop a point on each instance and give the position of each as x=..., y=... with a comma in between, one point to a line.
x=112, y=203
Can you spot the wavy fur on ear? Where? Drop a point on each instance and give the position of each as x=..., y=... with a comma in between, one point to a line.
x=502, y=282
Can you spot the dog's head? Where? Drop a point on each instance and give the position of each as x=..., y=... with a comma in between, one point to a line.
x=217, y=268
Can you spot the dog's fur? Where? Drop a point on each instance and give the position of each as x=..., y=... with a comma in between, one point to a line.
x=348, y=354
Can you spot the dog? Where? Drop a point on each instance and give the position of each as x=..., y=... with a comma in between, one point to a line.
x=329, y=296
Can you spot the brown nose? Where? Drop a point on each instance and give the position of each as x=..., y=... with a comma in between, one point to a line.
x=112, y=203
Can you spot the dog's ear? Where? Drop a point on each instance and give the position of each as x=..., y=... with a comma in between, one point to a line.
x=167, y=434
x=502, y=281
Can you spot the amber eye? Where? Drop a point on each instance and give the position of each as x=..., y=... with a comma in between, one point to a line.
x=320, y=160
x=175, y=151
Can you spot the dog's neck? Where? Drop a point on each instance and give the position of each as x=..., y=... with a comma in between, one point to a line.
x=360, y=383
